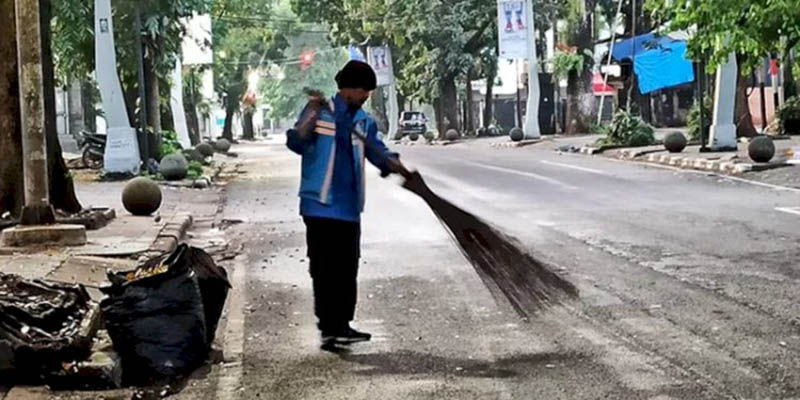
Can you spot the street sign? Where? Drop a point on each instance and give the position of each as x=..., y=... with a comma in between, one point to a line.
x=512, y=24
x=380, y=58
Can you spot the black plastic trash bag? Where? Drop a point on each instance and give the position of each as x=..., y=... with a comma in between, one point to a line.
x=157, y=323
x=162, y=316
x=214, y=287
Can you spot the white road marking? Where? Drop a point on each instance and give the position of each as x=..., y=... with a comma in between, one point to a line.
x=233, y=347
x=526, y=174
x=575, y=167
x=762, y=184
x=789, y=210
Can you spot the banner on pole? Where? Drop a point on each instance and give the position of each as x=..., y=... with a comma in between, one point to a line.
x=380, y=58
x=512, y=23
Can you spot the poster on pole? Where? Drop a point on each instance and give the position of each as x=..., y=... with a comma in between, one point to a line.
x=380, y=58
x=512, y=23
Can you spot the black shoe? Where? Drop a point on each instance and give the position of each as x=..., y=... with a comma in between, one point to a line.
x=349, y=335
x=328, y=343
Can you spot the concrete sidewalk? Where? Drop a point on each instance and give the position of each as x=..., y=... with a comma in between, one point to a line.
x=119, y=246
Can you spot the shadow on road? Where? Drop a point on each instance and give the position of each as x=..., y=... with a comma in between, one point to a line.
x=413, y=363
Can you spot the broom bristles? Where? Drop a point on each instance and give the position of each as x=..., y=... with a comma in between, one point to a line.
x=499, y=259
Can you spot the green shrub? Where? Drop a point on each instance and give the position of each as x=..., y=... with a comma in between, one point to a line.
x=169, y=143
x=789, y=111
x=626, y=129
x=195, y=170
x=693, y=119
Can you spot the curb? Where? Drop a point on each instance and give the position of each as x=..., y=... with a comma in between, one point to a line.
x=723, y=166
x=170, y=235
x=590, y=150
x=410, y=143
x=423, y=142
x=521, y=143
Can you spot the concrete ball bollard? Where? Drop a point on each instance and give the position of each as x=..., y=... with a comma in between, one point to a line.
x=174, y=167
x=141, y=196
x=761, y=149
x=675, y=142
x=516, y=134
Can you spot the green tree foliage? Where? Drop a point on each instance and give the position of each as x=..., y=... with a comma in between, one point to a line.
x=749, y=28
x=283, y=87
x=246, y=34
x=161, y=33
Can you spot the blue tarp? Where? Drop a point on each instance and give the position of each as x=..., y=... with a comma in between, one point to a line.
x=623, y=49
x=660, y=61
x=663, y=67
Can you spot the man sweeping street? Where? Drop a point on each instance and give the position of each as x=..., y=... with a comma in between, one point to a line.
x=330, y=136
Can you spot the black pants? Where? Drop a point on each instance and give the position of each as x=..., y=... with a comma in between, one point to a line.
x=333, y=251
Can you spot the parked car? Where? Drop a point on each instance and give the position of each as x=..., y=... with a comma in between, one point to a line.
x=412, y=122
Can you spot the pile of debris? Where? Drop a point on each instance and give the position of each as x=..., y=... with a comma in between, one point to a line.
x=43, y=324
x=159, y=322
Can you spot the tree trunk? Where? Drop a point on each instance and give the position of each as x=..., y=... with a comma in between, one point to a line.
x=248, y=132
x=75, y=114
x=167, y=119
x=488, y=111
x=401, y=102
x=437, y=108
x=744, y=121
x=192, y=121
x=573, y=108
x=235, y=93
x=789, y=87
x=190, y=109
x=642, y=103
x=579, y=83
x=231, y=105
x=379, y=109
x=62, y=188
x=62, y=193
x=11, y=190
x=449, y=105
x=153, y=104
x=470, y=114
x=88, y=101
x=131, y=96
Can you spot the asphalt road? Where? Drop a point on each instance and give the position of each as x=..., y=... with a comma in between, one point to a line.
x=689, y=285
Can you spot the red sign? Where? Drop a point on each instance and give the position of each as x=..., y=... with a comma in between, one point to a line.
x=306, y=59
x=773, y=67
x=600, y=87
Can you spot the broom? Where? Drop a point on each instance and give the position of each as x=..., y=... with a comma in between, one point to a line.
x=507, y=270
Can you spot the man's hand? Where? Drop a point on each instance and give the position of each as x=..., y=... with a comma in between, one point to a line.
x=416, y=184
x=313, y=110
x=397, y=167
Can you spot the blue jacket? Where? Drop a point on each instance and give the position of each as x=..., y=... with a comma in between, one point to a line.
x=319, y=154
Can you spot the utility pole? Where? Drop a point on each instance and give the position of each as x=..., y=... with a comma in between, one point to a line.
x=519, y=101
x=137, y=29
x=37, y=209
x=722, y=136
x=532, y=129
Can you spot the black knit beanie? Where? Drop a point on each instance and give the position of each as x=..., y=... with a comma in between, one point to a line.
x=357, y=75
